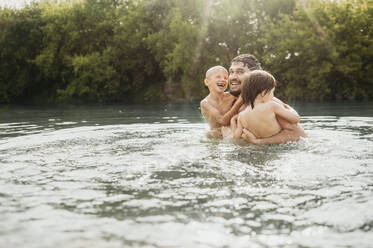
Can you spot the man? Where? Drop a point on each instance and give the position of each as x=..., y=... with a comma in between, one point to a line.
x=241, y=67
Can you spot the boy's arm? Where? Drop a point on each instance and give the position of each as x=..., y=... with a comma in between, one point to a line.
x=214, y=113
x=286, y=114
x=275, y=99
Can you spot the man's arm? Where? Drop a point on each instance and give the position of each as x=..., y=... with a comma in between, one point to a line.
x=209, y=110
x=280, y=138
x=284, y=136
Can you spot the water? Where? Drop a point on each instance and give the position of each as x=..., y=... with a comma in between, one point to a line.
x=146, y=176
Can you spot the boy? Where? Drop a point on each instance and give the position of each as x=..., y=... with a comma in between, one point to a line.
x=219, y=106
x=259, y=117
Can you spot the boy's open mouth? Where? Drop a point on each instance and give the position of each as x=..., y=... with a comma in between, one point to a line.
x=221, y=85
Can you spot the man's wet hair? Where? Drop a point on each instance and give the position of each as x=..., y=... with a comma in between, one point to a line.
x=257, y=82
x=249, y=61
x=214, y=68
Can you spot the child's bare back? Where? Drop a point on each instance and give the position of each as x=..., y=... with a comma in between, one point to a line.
x=261, y=120
x=260, y=115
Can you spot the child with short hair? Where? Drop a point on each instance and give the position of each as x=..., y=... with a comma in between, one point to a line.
x=259, y=116
x=219, y=106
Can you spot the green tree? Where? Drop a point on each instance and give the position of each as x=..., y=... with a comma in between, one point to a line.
x=141, y=50
x=20, y=38
x=322, y=51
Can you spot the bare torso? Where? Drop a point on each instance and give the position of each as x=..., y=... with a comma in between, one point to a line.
x=222, y=105
x=261, y=120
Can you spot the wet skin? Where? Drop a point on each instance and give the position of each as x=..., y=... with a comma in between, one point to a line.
x=291, y=132
x=237, y=74
x=219, y=106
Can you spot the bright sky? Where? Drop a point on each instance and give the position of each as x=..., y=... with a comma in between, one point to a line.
x=14, y=3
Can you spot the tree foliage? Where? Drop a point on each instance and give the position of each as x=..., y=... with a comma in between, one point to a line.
x=145, y=50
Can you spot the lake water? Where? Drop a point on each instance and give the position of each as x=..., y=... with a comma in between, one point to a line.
x=146, y=176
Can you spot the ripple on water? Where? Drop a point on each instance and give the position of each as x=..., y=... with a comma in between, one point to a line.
x=143, y=185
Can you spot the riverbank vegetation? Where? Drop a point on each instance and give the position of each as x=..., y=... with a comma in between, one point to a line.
x=110, y=51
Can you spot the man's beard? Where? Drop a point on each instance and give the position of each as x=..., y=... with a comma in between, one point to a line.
x=235, y=93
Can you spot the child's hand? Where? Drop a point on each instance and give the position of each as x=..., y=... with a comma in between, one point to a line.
x=249, y=136
x=234, y=122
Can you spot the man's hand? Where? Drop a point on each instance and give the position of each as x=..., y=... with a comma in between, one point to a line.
x=249, y=136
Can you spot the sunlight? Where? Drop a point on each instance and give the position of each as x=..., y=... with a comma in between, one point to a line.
x=203, y=30
x=318, y=29
x=15, y=4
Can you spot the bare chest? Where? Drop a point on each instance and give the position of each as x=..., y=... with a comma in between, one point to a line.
x=225, y=106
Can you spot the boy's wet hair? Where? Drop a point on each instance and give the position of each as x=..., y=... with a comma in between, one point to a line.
x=214, y=68
x=257, y=82
x=249, y=61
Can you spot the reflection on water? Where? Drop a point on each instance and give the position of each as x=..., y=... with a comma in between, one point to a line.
x=146, y=176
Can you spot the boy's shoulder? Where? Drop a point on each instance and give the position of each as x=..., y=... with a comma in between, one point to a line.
x=273, y=104
x=205, y=102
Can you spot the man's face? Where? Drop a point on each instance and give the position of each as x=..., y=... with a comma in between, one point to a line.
x=237, y=73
